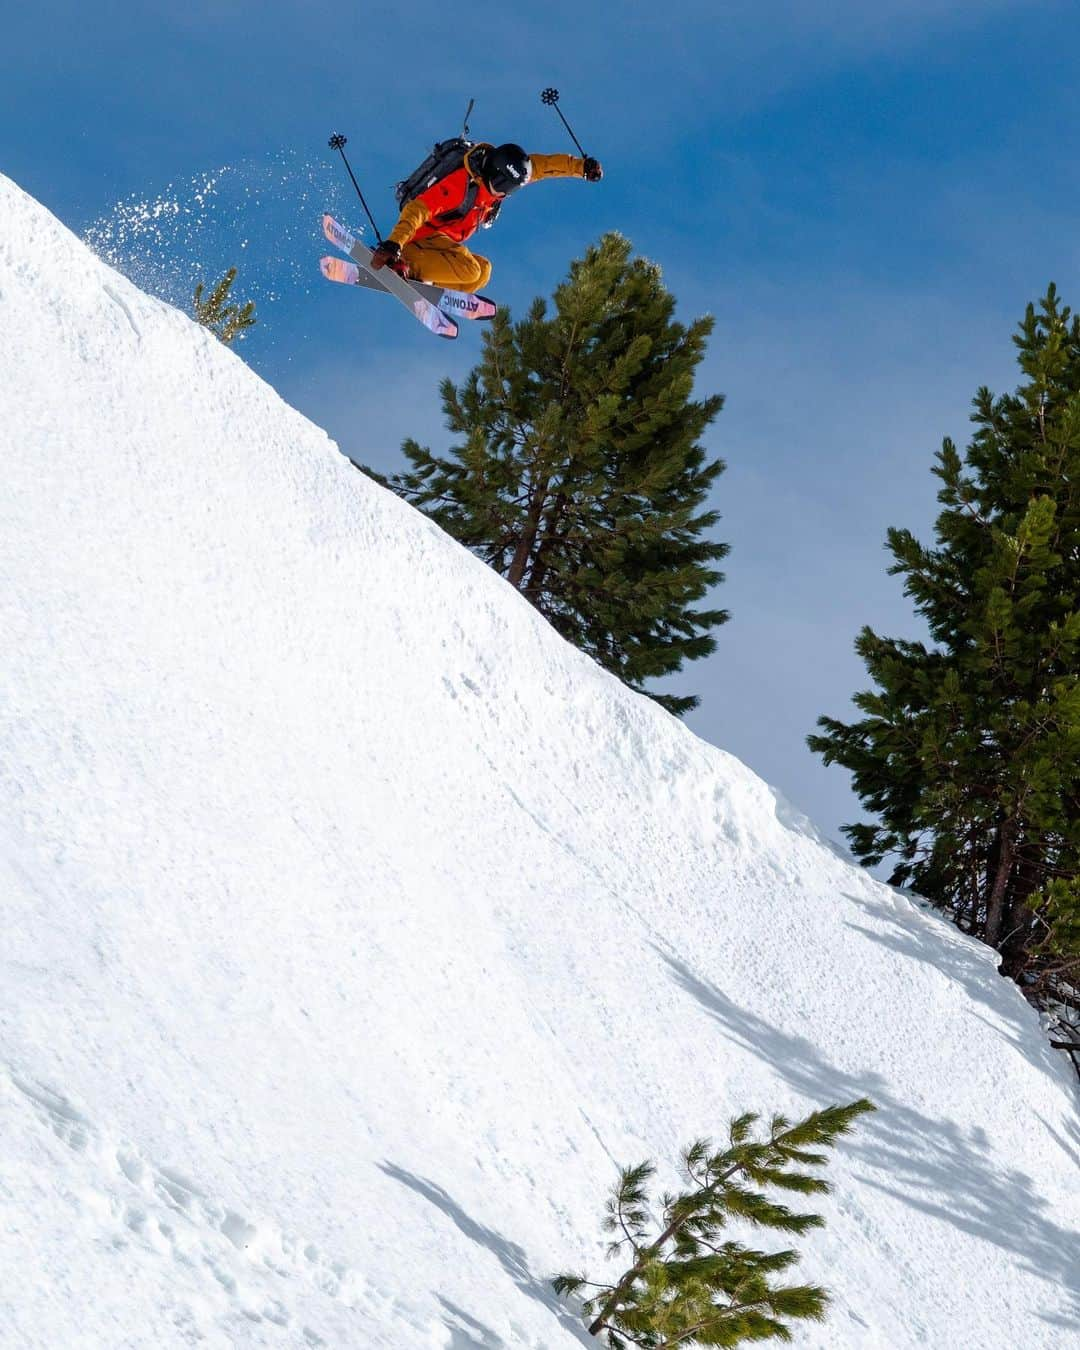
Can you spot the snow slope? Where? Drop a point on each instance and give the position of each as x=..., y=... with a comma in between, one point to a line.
x=355, y=927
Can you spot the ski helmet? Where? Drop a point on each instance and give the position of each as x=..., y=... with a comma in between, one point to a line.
x=505, y=169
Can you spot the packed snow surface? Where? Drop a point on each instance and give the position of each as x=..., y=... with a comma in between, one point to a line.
x=355, y=927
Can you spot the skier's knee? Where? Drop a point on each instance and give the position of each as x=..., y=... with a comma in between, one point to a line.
x=483, y=273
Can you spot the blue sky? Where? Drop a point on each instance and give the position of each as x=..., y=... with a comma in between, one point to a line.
x=864, y=196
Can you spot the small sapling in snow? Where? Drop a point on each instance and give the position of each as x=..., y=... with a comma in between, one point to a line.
x=688, y=1284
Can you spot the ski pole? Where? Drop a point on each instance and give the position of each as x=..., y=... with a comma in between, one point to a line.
x=551, y=98
x=338, y=142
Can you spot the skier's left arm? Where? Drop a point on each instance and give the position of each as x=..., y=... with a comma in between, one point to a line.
x=564, y=166
x=414, y=214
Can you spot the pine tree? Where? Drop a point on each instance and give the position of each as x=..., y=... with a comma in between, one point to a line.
x=578, y=474
x=968, y=751
x=226, y=321
x=686, y=1285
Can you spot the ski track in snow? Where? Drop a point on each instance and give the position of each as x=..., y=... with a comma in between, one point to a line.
x=356, y=928
x=125, y=1198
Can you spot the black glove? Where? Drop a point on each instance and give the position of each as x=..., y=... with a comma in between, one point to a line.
x=592, y=170
x=387, y=252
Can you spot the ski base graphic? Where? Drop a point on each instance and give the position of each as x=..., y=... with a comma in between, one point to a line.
x=431, y=316
x=458, y=304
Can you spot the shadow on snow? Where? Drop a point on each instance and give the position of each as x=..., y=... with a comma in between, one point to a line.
x=467, y=1330
x=935, y=1165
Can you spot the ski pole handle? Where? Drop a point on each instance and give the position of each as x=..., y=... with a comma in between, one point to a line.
x=551, y=98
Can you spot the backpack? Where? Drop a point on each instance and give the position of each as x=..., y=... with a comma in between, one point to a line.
x=446, y=157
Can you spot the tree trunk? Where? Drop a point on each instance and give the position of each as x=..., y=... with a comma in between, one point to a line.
x=995, y=905
x=539, y=567
x=524, y=549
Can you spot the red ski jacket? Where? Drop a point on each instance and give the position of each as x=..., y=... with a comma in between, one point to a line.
x=421, y=217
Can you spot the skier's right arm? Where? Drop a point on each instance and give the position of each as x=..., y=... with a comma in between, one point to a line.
x=414, y=214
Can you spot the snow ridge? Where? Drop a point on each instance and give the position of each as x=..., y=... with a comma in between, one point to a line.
x=356, y=927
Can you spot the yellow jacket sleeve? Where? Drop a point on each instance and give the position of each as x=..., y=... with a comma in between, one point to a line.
x=556, y=166
x=413, y=215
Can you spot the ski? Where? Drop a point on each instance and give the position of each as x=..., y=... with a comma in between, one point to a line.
x=422, y=309
x=418, y=305
x=458, y=304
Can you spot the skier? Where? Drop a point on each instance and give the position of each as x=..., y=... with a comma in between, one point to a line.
x=428, y=241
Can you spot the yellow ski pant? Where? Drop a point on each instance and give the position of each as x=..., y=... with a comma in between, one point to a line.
x=444, y=262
